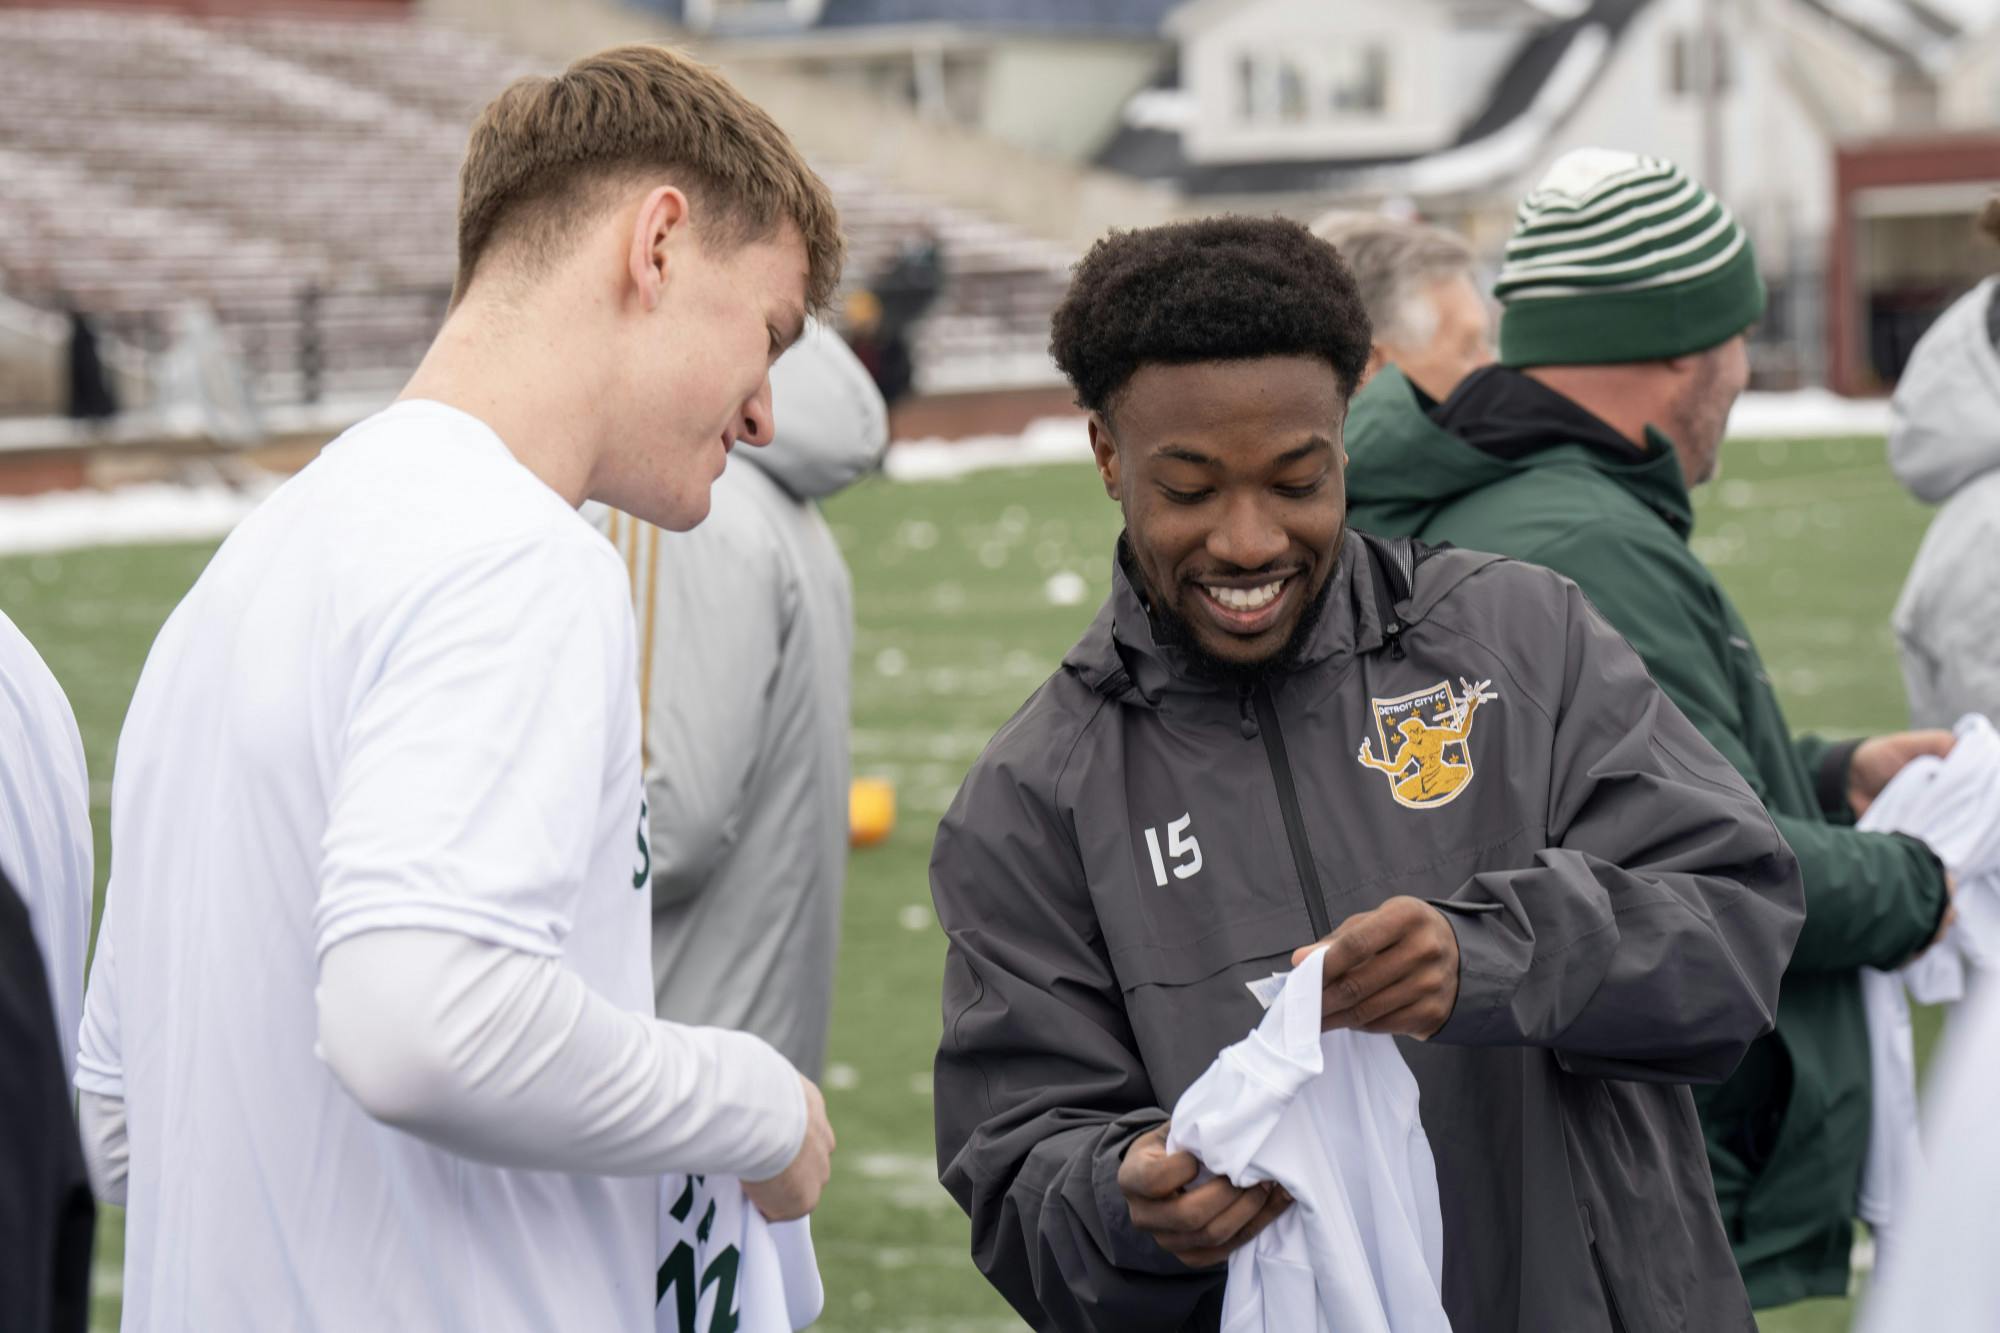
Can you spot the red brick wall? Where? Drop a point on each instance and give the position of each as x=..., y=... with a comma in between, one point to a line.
x=1937, y=159
x=33, y=473
x=957, y=416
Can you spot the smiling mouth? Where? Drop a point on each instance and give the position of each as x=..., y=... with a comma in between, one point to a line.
x=1250, y=610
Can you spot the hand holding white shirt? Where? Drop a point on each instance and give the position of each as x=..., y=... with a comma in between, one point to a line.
x=1331, y=1118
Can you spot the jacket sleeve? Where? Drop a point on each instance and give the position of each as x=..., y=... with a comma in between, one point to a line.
x=1872, y=899
x=710, y=644
x=1647, y=940
x=1039, y=1085
x=1947, y=618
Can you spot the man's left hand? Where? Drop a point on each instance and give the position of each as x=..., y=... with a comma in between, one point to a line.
x=1880, y=758
x=1393, y=970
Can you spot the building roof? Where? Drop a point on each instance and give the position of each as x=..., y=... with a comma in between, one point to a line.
x=1157, y=154
x=1915, y=35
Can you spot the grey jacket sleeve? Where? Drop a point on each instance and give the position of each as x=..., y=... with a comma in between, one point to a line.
x=1648, y=940
x=1039, y=1086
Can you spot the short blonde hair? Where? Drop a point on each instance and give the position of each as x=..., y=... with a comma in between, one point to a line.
x=546, y=154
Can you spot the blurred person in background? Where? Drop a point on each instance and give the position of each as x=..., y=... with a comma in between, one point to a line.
x=369, y=1039
x=878, y=319
x=911, y=282
x=1567, y=899
x=884, y=354
x=91, y=398
x=1431, y=321
x=1945, y=448
x=1626, y=294
x=746, y=634
x=45, y=838
x=46, y=1212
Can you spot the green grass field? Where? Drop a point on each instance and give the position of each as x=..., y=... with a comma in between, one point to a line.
x=956, y=627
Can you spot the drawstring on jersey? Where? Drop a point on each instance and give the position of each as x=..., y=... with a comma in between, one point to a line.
x=1392, y=635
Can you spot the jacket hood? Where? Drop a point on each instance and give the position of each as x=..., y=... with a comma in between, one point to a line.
x=1945, y=426
x=832, y=425
x=1403, y=465
x=1121, y=657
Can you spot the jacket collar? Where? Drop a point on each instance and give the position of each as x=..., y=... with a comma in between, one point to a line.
x=1406, y=462
x=1121, y=656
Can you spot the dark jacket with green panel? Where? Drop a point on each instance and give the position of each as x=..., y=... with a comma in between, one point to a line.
x=1508, y=465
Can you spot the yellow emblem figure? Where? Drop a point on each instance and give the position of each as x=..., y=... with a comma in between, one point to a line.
x=1422, y=772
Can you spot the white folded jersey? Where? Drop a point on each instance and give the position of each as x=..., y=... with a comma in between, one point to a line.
x=1332, y=1117
x=1953, y=804
x=724, y=1269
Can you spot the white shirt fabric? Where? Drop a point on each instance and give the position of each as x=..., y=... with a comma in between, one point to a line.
x=722, y=1266
x=1953, y=804
x=1942, y=1277
x=1332, y=1117
x=45, y=845
x=400, y=700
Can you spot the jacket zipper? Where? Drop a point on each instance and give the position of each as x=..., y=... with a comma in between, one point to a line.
x=1288, y=805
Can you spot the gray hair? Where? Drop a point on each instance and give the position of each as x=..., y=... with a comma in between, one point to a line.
x=1394, y=263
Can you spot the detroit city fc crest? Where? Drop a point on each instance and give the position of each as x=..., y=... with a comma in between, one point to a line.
x=1423, y=742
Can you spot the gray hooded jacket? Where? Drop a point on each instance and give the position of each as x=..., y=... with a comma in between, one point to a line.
x=746, y=630
x=1945, y=448
x=1137, y=844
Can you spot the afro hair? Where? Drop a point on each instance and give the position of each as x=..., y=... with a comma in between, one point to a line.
x=1217, y=289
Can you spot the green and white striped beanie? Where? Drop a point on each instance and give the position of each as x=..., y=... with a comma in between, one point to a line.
x=1617, y=257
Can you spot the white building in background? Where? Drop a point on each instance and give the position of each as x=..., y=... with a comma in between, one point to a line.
x=1049, y=76
x=1453, y=108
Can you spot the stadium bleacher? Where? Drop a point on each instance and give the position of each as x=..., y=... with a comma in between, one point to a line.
x=298, y=175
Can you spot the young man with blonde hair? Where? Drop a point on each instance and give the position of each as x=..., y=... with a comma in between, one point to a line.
x=369, y=1038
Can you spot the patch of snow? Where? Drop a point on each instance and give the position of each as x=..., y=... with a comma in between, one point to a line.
x=1049, y=440
x=1172, y=109
x=1066, y=588
x=1806, y=413
x=130, y=515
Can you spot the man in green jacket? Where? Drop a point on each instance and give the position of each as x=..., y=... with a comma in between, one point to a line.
x=1627, y=289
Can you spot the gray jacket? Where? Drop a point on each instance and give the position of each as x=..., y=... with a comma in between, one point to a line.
x=1945, y=447
x=1136, y=845
x=747, y=626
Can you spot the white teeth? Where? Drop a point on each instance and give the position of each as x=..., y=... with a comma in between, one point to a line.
x=1246, y=599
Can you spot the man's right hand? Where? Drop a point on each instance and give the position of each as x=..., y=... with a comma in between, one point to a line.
x=1199, y=1226
x=795, y=1191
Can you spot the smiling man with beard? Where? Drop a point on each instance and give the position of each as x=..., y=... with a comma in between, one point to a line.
x=1443, y=765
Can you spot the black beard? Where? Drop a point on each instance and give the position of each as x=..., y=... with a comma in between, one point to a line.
x=1170, y=630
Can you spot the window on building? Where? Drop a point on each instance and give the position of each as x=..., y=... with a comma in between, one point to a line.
x=1357, y=80
x=1338, y=83
x=1291, y=92
x=1687, y=70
